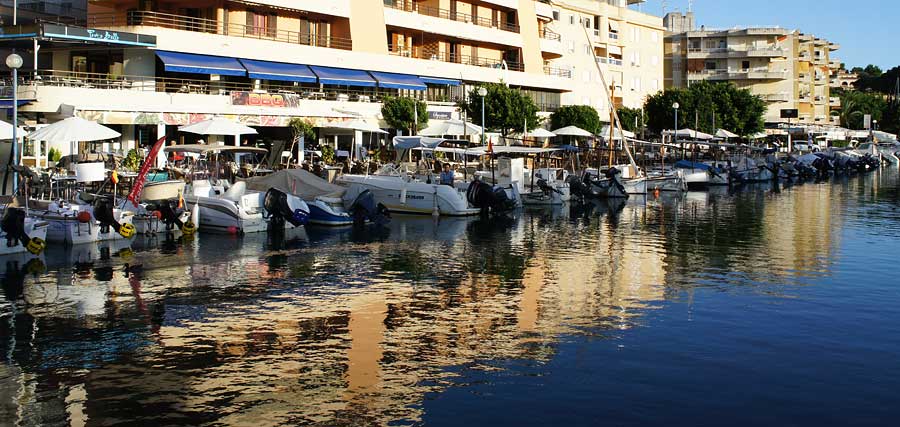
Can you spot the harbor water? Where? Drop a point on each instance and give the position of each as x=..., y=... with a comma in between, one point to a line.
x=763, y=305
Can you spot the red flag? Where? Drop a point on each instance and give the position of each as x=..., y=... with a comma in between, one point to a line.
x=490, y=147
x=138, y=187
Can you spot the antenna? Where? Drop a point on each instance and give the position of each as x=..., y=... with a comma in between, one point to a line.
x=665, y=5
x=690, y=5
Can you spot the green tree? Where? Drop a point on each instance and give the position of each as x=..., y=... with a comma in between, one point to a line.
x=707, y=106
x=400, y=113
x=875, y=80
x=633, y=119
x=583, y=116
x=300, y=127
x=856, y=104
x=506, y=109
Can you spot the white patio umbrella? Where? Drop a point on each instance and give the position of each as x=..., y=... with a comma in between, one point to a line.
x=759, y=135
x=6, y=131
x=451, y=127
x=572, y=131
x=359, y=125
x=604, y=132
x=722, y=133
x=693, y=134
x=73, y=129
x=218, y=126
x=541, y=133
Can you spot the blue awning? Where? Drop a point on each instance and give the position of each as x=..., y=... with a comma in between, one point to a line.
x=200, y=64
x=343, y=76
x=398, y=81
x=439, y=81
x=278, y=71
x=7, y=104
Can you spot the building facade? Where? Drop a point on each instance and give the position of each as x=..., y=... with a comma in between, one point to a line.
x=626, y=44
x=146, y=67
x=788, y=69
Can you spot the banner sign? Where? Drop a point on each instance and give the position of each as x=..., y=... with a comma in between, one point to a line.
x=277, y=100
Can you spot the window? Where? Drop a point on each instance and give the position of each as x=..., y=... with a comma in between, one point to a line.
x=261, y=24
x=745, y=65
x=636, y=59
x=587, y=49
x=556, y=15
x=571, y=46
x=587, y=23
x=710, y=65
x=571, y=19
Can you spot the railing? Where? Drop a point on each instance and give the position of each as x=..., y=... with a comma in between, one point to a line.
x=559, y=72
x=613, y=36
x=550, y=35
x=614, y=61
x=413, y=7
x=50, y=78
x=602, y=60
x=201, y=25
x=420, y=53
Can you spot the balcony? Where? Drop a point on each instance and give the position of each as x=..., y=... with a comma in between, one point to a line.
x=557, y=72
x=777, y=97
x=834, y=101
x=413, y=7
x=613, y=36
x=548, y=34
x=179, y=22
x=701, y=53
x=551, y=43
x=431, y=55
x=761, y=52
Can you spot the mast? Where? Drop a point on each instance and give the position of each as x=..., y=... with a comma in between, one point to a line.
x=612, y=107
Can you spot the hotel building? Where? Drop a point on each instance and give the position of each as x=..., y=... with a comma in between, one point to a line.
x=145, y=67
x=788, y=69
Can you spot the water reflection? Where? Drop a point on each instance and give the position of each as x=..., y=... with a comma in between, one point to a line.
x=337, y=327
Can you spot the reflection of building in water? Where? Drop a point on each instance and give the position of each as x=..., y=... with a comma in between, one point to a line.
x=801, y=232
x=247, y=340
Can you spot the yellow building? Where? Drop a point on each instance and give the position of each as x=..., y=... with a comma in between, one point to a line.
x=788, y=69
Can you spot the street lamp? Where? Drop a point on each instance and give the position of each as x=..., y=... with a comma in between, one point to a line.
x=14, y=62
x=675, y=106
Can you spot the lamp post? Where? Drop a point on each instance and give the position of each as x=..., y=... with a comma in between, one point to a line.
x=14, y=62
x=675, y=106
x=482, y=92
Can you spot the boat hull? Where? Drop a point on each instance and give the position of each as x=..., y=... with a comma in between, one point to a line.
x=64, y=227
x=34, y=228
x=400, y=196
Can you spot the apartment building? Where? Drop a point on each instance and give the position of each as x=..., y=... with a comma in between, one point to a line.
x=843, y=79
x=788, y=69
x=146, y=67
x=627, y=45
x=28, y=11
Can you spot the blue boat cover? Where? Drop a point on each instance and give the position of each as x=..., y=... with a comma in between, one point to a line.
x=343, y=76
x=200, y=64
x=398, y=81
x=687, y=164
x=278, y=71
x=6, y=104
x=439, y=81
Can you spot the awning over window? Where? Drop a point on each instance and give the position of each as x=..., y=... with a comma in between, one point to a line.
x=439, y=81
x=398, y=81
x=6, y=104
x=343, y=77
x=278, y=71
x=613, y=26
x=200, y=64
x=614, y=50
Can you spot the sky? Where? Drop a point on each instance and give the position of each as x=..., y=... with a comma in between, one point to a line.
x=865, y=29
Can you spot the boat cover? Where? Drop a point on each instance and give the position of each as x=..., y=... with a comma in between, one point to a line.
x=297, y=182
x=687, y=164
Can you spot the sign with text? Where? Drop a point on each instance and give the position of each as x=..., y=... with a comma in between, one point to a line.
x=790, y=113
x=276, y=100
x=440, y=115
x=95, y=35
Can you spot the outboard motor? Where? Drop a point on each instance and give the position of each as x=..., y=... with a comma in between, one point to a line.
x=611, y=175
x=170, y=214
x=579, y=188
x=278, y=205
x=489, y=199
x=103, y=212
x=13, y=224
x=546, y=188
x=364, y=208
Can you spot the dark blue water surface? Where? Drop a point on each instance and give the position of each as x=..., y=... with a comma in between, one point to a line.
x=751, y=307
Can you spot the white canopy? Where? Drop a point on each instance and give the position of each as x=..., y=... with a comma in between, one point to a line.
x=572, y=131
x=759, y=135
x=541, y=133
x=6, y=131
x=692, y=134
x=722, y=133
x=218, y=126
x=73, y=129
x=616, y=134
x=357, y=125
x=451, y=127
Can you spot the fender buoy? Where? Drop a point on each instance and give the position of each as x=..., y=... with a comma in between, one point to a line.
x=188, y=228
x=36, y=245
x=157, y=214
x=84, y=217
x=126, y=230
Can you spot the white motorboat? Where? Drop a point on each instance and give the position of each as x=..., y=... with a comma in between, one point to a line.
x=232, y=208
x=748, y=169
x=21, y=232
x=401, y=192
x=699, y=176
x=666, y=180
x=550, y=187
x=84, y=222
x=606, y=186
x=326, y=206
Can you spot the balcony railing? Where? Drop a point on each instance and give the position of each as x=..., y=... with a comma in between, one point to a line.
x=413, y=7
x=420, y=53
x=559, y=72
x=613, y=36
x=550, y=35
x=48, y=78
x=187, y=23
x=614, y=61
